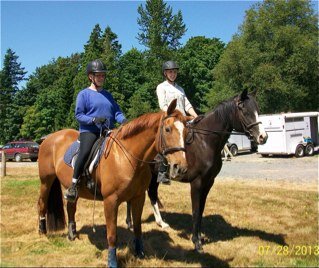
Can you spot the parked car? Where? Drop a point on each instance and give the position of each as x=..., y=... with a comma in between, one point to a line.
x=240, y=143
x=19, y=150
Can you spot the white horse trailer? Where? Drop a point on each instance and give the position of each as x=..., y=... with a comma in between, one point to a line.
x=290, y=133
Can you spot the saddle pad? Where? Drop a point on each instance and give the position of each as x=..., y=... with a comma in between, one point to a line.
x=71, y=152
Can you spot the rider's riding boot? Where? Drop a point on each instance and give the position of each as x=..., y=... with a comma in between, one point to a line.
x=163, y=173
x=71, y=194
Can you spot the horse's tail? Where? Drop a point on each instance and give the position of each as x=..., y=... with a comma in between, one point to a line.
x=55, y=215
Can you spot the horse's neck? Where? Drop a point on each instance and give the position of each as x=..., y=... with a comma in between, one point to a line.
x=142, y=145
x=221, y=120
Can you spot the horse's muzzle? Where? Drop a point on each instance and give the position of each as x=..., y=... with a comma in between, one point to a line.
x=262, y=139
x=176, y=171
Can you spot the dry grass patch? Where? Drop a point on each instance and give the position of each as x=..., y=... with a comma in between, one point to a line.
x=245, y=223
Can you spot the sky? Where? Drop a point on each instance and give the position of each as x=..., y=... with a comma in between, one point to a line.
x=39, y=31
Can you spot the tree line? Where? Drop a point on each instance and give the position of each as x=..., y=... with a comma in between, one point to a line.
x=274, y=51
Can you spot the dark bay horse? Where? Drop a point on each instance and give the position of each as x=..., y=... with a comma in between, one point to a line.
x=205, y=140
x=123, y=173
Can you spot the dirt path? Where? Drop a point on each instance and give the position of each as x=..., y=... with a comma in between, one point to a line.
x=251, y=166
x=254, y=166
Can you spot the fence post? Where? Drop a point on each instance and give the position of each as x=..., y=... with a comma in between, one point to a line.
x=3, y=164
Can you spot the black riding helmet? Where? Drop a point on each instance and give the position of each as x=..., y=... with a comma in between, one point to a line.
x=95, y=66
x=169, y=65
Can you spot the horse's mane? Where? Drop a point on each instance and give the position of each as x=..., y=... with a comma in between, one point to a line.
x=138, y=124
x=224, y=109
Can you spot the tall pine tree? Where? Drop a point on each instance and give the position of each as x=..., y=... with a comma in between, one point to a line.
x=10, y=76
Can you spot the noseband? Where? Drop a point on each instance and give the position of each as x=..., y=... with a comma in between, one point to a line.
x=162, y=144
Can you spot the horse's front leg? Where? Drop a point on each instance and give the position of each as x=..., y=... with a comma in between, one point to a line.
x=137, y=209
x=71, y=209
x=196, y=215
x=128, y=215
x=199, y=192
x=153, y=195
x=110, y=212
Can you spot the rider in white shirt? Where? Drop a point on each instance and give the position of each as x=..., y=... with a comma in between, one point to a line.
x=166, y=92
x=169, y=90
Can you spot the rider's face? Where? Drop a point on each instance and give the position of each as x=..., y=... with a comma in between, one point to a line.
x=171, y=74
x=98, y=79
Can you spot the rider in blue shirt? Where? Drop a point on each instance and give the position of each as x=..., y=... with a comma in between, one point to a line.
x=95, y=110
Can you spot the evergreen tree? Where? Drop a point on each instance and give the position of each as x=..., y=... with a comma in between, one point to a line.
x=111, y=52
x=160, y=29
x=160, y=32
x=10, y=76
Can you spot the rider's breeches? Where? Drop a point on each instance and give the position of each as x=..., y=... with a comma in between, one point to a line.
x=87, y=140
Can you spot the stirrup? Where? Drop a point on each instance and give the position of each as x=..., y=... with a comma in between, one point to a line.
x=71, y=194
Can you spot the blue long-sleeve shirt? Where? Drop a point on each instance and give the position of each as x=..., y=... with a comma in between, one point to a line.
x=90, y=104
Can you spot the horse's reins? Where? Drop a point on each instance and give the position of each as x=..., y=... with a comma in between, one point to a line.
x=245, y=126
x=162, y=145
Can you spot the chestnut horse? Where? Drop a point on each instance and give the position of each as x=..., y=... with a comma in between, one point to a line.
x=123, y=173
x=205, y=140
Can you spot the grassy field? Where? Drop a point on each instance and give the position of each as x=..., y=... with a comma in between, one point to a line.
x=246, y=223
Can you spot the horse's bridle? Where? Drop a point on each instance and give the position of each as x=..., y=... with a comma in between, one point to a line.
x=246, y=127
x=162, y=144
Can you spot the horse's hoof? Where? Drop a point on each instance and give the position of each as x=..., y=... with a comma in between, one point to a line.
x=42, y=227
x=140, y=255
x=129, y=225
x=139, y=248
x=72, y=237
x=112, y=260
x=163, y=224
x=72, y=231
x=199, y=249
x=42, y=232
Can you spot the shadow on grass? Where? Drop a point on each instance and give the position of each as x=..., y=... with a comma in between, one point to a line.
x=215, y=228
x=157, y=245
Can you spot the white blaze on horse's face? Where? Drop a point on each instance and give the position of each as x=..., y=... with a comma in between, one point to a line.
x=180, y=127
x=262, y=135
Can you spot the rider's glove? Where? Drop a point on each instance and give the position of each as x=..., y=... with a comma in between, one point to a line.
x=99, y=120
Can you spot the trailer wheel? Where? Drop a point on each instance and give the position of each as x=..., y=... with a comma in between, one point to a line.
x=300, y=152
x=309, y=150
x=233, y=149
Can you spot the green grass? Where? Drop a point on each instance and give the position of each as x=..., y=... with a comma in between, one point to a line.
x=239, y=217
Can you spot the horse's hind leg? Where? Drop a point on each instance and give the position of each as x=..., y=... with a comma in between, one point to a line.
x=71, y=209
x=137, y=209
x=43, y=203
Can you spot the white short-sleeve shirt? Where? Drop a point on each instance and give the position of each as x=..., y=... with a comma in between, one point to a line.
x=167, y=92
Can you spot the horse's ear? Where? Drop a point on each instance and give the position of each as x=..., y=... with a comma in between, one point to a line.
x=243, y=95
x=171, y=107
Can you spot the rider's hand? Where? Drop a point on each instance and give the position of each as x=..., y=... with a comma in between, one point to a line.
x=99, y=120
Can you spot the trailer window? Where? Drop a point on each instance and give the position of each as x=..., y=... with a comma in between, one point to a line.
x=294, y=119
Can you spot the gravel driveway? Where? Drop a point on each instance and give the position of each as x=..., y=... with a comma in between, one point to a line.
x=254, y=166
